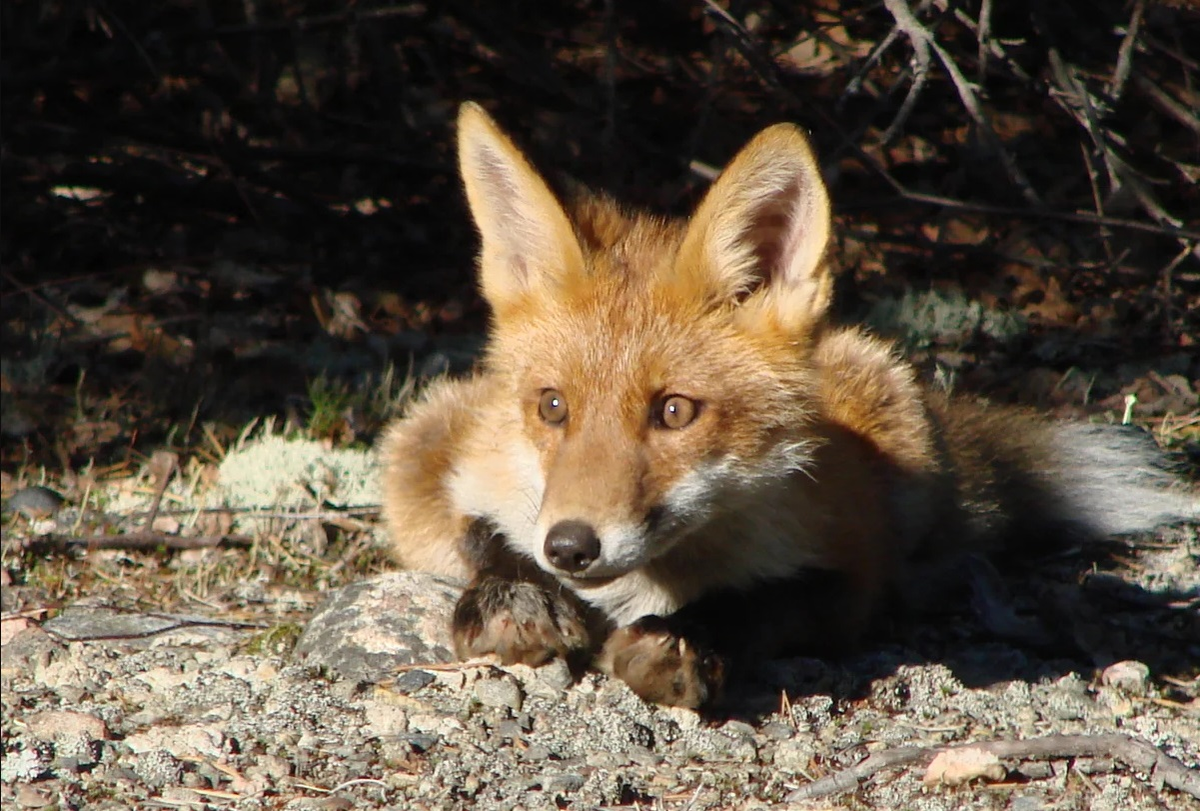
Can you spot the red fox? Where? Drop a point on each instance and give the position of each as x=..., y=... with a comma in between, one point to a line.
x=673, y=461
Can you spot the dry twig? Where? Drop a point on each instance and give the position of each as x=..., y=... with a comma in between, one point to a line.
x=1160, y=767
x=148, y=540
x=923, y=42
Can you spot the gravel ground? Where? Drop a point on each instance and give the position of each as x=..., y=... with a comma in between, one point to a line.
x=108, y=705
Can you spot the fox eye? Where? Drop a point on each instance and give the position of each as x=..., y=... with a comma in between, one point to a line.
x=676, y=411
x=552, y=407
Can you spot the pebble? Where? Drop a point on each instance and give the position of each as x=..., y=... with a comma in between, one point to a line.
x=62, y=725
x=562, y=782
x=29, y=796
x=36, y=503
x=499, y=692
x=1130, y=677
x=412, y=681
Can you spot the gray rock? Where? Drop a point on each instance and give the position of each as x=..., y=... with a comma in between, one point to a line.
x=366, y=630
x=1130, y=677
x=562, y=782
x=35, y=502
x=500, y=691
x=412, y=681
x=30, y=649
x=99, y=622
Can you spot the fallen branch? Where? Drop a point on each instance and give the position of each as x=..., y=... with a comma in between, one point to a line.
x=148, y=540
x=1160, y=767
x=923, y=42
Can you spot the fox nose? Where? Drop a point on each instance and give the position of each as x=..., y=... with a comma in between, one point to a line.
x=572, y=546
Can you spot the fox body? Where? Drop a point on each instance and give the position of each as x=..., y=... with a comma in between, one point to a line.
x=673, y=460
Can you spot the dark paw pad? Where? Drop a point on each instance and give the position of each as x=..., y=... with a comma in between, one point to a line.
x=518, y=621
x=661, y=666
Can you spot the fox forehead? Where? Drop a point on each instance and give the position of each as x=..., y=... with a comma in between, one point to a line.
x=621, y=339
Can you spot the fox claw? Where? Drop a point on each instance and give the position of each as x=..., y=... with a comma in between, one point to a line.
x=661, y=666
x=518, y=621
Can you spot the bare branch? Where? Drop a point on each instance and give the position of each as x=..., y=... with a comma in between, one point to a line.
x=1158, y=766
x=923, y=42
x=1125, y=54
x=148, y=540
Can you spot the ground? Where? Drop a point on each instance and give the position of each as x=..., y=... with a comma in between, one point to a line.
x=225, y=225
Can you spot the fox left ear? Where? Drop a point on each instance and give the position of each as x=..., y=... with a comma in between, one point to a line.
x=759, y=235
x=529, y=245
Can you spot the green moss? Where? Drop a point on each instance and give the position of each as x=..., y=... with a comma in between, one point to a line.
x=277, y=640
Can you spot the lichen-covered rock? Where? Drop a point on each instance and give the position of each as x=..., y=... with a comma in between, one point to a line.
x=366, y=630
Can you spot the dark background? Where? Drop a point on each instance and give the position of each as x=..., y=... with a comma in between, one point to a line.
x=213, y=209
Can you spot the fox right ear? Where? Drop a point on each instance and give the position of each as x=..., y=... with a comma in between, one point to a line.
x=759, y=235
x=528, y=241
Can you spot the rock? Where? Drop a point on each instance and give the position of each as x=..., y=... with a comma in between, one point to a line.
x=501, y=691
x=364, y=631
x=99, y=623
x=560, y=782
x=28, y=796
x=35, y=503
x=1130, y=677
x=24, y=765
x=157, y=768
x=413, y=680
x=187, y=741
x=72, y=733
x=794, y=756
x=26, y=647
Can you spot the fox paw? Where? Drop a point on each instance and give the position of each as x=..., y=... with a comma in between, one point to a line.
x=661, y=666
x=519, y=621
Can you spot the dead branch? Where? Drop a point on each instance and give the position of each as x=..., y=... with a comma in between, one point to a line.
x=362, y=511
x=314, y=21
x=1125, y=54
x=923, y=42
x=1159, y=767
x=1164, y=229
x=148, y=540
x=1167, y=103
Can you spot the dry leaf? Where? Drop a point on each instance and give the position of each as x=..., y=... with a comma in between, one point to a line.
x=957, y=766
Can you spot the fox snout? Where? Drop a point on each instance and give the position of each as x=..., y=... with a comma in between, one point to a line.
x=572, y=546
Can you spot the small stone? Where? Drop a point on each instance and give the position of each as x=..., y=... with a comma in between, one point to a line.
x=738, y=729
x=63, y=725
x=794, y=756
x=385, y=719
x=777, y=731
x=412, y=681
x=1026, y=802
x=28, y=796
x=536, y=753
x=606, y=760
x=562, y=782
x=157, y=769
x=499, y=692
x=420, y=742
x=24, y=764
x=35, y=503
x=1130, y=677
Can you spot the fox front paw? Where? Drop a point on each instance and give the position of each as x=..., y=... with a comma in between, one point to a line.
x=662, y=666
x=521, y=622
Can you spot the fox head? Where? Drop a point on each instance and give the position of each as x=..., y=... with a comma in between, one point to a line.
x=660, y=370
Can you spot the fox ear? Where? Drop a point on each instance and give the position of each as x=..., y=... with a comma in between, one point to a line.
x=528, y=241
x=759, y=235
